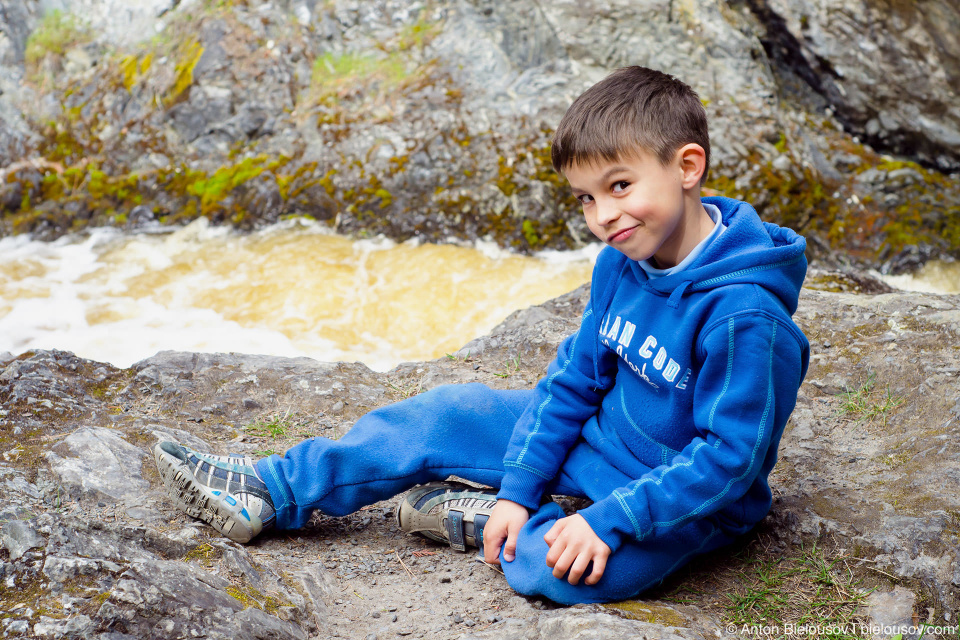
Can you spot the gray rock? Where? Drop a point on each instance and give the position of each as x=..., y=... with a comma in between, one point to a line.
x=139, y=216
x=891, y=610
x=18, y=537
x=173, y=599
x=577, y=624
x=98, y=462
x=178, y=435
x=867, y=65
x=21, y=627
x=60, y=570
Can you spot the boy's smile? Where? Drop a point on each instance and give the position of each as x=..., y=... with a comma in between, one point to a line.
x=642, y=208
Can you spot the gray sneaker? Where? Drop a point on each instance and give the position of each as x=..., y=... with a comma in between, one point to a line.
x=224, y=491
x=448, y=512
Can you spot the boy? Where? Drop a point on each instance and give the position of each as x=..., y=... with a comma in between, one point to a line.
x=665, y=408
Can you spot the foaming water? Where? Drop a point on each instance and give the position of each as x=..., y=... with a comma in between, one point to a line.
x=935, y=276
x=292, y=289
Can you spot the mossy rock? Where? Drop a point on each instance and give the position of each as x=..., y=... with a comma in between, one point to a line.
x=651, y=612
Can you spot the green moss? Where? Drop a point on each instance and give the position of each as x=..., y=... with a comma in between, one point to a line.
x=927, y=217
x=833, y=283
x=530, y=233
x=797, y=200
x=135, y=68
x=250, y=597
x=211, y=189
x=204, y=554
x=781, y=144
x=418, y=35
x=813, y=205
x=32, y=591
x=187, y=61
x=385, y=197
x=505, y=177
x=333, y=74
x=648, y=612
x=57, y=33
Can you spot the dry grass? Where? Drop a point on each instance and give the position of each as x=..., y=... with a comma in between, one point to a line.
x=767, y=590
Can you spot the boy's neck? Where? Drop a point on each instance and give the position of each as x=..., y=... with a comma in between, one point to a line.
x=695, y=225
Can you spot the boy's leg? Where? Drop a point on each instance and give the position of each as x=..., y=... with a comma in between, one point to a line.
x=460, y=430
x=632, y=569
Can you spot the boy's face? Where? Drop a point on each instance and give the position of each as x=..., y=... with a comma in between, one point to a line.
x=638, y=206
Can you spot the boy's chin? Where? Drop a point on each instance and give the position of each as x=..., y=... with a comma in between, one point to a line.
x=633, y=255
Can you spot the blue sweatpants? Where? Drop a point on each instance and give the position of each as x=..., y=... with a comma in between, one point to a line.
x=463, y=430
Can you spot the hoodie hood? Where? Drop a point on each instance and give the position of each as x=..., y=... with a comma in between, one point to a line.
x=750, y=251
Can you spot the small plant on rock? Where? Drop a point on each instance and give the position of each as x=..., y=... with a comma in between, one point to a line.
x=273, y=426
x=865, y=403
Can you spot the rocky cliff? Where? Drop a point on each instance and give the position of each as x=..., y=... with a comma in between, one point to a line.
x=864, y=529
x=433, y=118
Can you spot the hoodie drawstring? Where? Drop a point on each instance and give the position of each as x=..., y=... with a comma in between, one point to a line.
x=674, y=300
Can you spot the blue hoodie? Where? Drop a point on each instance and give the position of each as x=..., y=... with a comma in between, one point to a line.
x=684, y=383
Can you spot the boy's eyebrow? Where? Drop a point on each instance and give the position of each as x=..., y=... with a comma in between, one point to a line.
x=612, y=170
x=604, y=177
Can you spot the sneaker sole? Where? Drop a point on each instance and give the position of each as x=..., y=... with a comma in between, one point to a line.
x=218, y=509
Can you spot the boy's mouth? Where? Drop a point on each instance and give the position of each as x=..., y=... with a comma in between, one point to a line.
x=621, y=235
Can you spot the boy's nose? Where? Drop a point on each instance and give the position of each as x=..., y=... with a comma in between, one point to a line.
x=607, y=212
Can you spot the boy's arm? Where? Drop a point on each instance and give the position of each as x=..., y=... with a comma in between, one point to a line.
x=570, y=393
x=745, y=391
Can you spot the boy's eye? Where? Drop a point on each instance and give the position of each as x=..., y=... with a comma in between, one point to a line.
x=585, y=198
x=620, y=186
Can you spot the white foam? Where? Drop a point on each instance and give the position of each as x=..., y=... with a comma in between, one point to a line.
x=936, y=276
x=120, y=298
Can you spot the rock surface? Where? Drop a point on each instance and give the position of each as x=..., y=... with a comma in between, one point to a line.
x=890, y=70
x=433, y=119
x=90, y=546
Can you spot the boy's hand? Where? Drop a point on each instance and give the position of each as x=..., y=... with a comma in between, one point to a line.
x=573, y=546
x=504, y=524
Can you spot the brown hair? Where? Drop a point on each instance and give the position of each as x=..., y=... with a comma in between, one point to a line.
x=633, y=109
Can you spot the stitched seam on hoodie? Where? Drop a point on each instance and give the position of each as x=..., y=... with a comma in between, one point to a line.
x=626, y=509
x=747, y=313
x=742, y=272
x=527, y=467
x=731, y=329
x=664, y=449
x=536, y=426
x=287, y=497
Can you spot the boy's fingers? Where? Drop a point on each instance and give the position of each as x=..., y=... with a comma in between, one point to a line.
x=599, y=564
x=492, y=540
x=553, y=555
x=579, y=566
x=563, y=564
x=510, y=548
x=491, y=554
x=551, y=536
x=556, y=550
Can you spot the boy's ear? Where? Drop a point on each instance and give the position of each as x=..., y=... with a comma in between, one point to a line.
x=693, y=161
